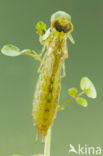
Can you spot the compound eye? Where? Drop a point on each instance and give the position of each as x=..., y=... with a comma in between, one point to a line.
x=58, y=27
x=67, y=28
x=61, y=28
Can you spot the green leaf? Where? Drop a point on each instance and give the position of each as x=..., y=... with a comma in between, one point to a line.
x=10, y=50
x=72, y=91
x=88, y=87
x=83, y=102
x=41, y=28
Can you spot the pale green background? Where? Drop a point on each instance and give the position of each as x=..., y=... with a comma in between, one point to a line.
x=18, y=76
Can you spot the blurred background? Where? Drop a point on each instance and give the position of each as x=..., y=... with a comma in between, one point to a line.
x=18, y=76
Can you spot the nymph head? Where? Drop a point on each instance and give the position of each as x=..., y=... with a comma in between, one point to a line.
x=61, y=22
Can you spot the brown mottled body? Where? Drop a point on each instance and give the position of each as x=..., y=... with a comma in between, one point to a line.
x=47, y=93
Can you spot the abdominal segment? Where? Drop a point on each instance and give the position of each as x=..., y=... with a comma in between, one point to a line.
x=46, y=97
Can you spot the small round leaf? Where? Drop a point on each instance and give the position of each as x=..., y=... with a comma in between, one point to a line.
x=72, y=91
x=88, y=87
x=83, y=102
x=40, y=27
x=10, y=50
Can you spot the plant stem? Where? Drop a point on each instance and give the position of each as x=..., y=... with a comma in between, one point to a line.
x=47, y=143
x=32, y=53
x=68, y=102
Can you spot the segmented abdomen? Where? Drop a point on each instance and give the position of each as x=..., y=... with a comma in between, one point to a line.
x=47, y=93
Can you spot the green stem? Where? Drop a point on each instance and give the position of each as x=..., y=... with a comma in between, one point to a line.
x=32, y=53
x=47, y=143
x=69, y=101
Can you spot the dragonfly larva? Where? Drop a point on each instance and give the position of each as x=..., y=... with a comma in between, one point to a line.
x=52, y=69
